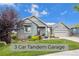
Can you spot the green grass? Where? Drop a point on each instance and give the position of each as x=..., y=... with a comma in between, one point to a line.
x=5, y=50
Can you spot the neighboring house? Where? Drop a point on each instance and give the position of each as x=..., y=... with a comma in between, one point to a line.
x=31, y=26
x=61, y=30
x=75, y=31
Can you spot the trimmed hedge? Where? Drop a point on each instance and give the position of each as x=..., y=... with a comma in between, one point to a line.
x=34, y=38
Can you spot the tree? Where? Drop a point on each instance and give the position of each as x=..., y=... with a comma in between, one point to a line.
x=76, y=7
x=8, y=19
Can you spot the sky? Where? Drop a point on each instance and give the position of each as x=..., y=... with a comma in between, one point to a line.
x=47, y=12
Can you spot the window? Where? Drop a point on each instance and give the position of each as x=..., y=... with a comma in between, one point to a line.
x=27, y=28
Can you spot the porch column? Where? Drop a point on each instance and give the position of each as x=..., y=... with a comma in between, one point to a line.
x=46, y=33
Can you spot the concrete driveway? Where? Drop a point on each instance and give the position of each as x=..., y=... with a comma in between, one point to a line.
x=65, y=53
x=73, y=38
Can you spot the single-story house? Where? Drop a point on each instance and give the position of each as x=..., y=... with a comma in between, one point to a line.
x=61, y=30
x=31, y=26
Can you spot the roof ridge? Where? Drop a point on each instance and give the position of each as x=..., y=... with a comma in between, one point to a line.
x=64, y=25
x=40, y=20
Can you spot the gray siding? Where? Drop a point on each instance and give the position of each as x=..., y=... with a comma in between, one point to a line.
x=21, y=34
x=34, y=29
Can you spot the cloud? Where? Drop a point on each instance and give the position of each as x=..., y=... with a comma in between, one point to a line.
x=25, y=10
x=35, y=12
x=44, y=12
x=34, y=6
x=64, y=12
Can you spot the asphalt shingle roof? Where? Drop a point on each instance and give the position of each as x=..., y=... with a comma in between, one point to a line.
x=35, y=20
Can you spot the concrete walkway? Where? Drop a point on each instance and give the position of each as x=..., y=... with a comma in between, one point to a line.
x=65, y=53
x=73, y=38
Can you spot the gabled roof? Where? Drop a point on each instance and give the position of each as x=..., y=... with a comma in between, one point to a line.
x=65, y=25
x=36, y=21
x=55, y=25
x=70, y=26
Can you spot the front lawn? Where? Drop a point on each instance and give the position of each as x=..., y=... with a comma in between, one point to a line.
x=5, y=50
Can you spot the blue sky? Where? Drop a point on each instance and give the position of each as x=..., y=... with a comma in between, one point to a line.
x=48, y=12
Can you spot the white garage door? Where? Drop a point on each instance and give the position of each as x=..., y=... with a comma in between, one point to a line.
x=61, y=33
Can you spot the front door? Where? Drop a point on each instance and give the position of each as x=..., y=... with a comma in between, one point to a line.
x=38, y=31
x=41, y=31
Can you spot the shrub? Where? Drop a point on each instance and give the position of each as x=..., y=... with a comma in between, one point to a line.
x=2, y=44
x=29, y=37
x=40, y=37
x=14, y=38
x=34, y=38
